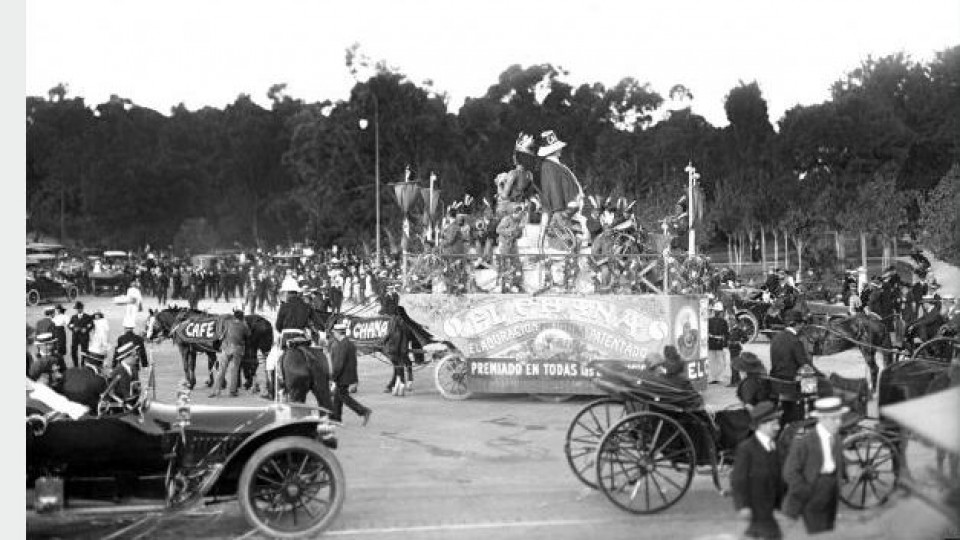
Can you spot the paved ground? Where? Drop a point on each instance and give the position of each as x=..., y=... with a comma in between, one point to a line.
x=491, y=466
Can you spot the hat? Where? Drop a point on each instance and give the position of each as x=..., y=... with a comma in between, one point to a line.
x=748, y=362
x=524, y=143
x=763, y=412
x=289, y=285
x=78, y=305
x=549, y=143
x=45, y=338
x=792, y=316
x=829, y=406
x=48, y=311
x=98, y=314
x=60, y=308
x=340, y=327
x=718, y=306
x=92, y=357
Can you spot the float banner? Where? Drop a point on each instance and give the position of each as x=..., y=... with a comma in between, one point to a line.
x=551, y=339
x=367, y=332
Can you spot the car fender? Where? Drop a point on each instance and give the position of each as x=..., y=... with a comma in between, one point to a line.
x=304, y=427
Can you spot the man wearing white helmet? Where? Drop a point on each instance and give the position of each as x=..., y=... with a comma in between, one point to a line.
x=293, y=318
x=718, y=334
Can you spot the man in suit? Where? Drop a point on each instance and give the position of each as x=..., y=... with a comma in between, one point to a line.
x=787, y=354
x=80, y=325
x=756, y=478
x=813, y=467
x=343, y=357
x=84, y=384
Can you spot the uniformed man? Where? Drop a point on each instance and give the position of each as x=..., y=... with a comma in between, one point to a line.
x=293, y=317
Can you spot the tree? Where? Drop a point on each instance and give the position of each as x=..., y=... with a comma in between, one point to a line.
x=941, y=219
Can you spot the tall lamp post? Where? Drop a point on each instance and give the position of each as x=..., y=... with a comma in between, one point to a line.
x=376, y=160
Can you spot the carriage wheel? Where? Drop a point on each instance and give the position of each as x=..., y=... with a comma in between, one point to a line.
x=451, y=377
x=645, y=462
x=33, y=297
x=871, y=467
x=290, y=487
x=941, y=349
x=584, y=433
x=751, y=325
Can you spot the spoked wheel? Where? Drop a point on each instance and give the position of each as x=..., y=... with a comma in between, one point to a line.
x=751, y=326
x=645, y=462
x=290, y=487
x=584, y=434
x=940, y=348
x=451, y=377
x=871, y=467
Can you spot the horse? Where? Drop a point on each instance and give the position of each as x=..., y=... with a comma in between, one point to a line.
x=194, y=331
x=869, y=334
x=303, y=369
x=260, y=341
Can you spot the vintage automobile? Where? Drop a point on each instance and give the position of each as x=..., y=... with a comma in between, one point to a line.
x=276, y=458
x=48, y=284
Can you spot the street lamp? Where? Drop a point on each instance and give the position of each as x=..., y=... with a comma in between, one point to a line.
x=376, y=141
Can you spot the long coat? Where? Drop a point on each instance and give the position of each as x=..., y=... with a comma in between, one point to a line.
x=800, y=472
x=757, y=485
x=343, y=356
x=787, y=354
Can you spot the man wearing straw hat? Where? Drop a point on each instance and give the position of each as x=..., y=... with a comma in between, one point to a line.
x=756, y=477
x=813, y=467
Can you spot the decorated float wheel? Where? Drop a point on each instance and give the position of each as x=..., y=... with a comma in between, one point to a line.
x=451, y=377
x=292, y=487
x=584, y=434
x=645, y=462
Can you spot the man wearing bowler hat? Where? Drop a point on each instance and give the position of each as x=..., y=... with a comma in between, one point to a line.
x=756, y=477
x=343, y=358
x=80, y=325
x=787, y=354
x=813, y=467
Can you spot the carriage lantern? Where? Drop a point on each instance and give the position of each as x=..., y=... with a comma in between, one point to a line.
x=807, y=376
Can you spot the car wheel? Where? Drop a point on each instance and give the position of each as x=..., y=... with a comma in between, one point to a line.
x=72, y=293
x=33, y=297
x=292, y=487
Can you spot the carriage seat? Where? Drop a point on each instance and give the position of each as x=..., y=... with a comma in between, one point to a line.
x=646, y=385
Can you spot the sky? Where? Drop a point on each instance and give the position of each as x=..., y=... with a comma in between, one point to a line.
x=207, y=52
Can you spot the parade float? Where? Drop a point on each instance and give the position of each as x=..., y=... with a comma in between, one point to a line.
x=545, y=335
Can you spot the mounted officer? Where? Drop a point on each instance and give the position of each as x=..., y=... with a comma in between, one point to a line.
x=293, y=318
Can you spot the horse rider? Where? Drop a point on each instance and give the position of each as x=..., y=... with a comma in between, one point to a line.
x=293, y=317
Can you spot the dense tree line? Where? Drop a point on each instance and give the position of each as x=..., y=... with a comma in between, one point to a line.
x=867, y=162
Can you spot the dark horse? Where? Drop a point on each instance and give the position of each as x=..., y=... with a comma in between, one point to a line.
x=260, y=341
x=196, y=331
x=304, y=369
x=869, y=334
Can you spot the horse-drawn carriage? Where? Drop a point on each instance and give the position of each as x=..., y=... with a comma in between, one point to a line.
x=642, y=444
